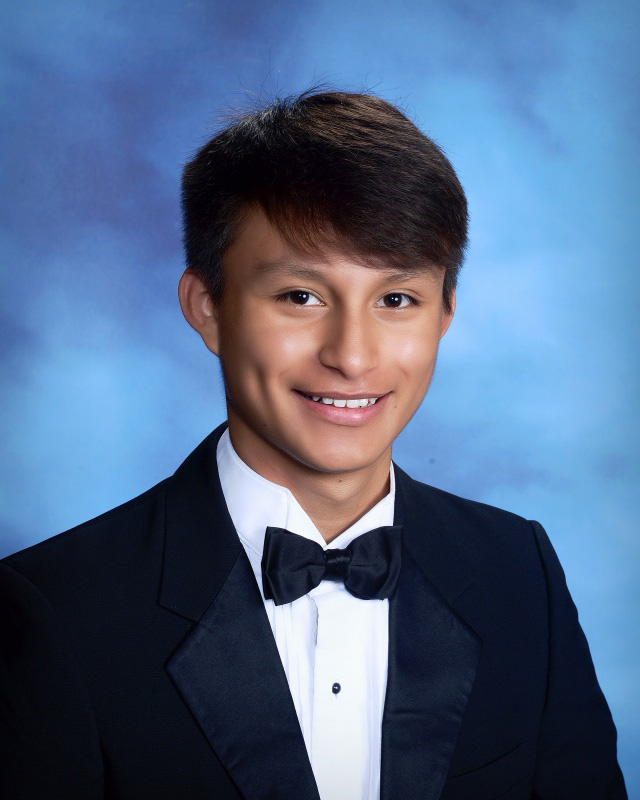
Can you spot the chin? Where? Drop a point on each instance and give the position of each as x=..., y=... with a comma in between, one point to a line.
x=337, y=459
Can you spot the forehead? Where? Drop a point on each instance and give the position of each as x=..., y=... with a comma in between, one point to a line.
x=259, y=251
x=318, y=268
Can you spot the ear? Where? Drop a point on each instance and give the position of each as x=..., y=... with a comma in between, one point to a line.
x=199, y=309
x=447, y=316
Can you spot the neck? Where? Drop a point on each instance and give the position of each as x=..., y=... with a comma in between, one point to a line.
x=333, y=500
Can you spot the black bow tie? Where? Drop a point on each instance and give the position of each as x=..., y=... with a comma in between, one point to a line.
x=293, y=565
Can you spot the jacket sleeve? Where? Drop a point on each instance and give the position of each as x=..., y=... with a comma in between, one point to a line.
x=577, y=745
x=49, y=746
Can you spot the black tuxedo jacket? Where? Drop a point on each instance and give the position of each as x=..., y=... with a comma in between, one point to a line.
x=137, y=661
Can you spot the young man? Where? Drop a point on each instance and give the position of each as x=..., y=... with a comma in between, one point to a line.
x=290, y=615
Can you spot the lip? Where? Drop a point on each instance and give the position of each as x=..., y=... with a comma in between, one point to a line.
x=344, y=416
x=340, y=395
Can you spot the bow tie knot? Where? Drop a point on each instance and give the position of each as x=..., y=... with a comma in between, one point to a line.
x=336, y=564
x=369, y=567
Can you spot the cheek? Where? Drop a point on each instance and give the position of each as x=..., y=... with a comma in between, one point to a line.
x=415, y=353
x=280, y=345
x=413, y=357
x=262, y=350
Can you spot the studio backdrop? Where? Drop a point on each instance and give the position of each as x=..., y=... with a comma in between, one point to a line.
x=533, y=407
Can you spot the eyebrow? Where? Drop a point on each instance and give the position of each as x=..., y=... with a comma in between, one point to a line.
x=293, y=268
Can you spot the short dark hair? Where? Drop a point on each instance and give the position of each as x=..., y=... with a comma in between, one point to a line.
x=327, y=168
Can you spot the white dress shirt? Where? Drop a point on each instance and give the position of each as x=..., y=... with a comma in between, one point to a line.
x=333, y=646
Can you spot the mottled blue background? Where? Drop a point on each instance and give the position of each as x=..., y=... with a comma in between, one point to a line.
x=534, y=405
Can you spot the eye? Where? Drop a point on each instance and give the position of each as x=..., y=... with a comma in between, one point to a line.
x=397, y=300
x=299, y=298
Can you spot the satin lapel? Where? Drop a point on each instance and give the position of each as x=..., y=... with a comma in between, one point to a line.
x=230, y=675
x=433, y=656
x=228, y=669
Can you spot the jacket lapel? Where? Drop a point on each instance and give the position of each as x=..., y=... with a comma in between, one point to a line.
x=228, y=669
x=433, y=654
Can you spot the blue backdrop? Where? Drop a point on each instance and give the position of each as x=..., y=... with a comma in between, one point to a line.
x=534, y=404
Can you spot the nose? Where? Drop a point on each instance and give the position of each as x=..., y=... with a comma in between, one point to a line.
x=349, y=344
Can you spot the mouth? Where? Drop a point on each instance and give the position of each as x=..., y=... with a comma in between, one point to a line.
x=349, y=411
x=341, y=401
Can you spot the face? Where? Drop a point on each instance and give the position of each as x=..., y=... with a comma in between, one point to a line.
x=325, y=359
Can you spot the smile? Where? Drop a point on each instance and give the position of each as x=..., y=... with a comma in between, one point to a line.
x=349, y=411
x=342, y=402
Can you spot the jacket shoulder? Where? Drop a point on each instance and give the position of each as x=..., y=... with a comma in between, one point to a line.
x=461, y=517
x=460, y=542
x=98, y=544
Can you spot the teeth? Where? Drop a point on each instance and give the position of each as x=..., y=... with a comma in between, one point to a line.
x=357, y=403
